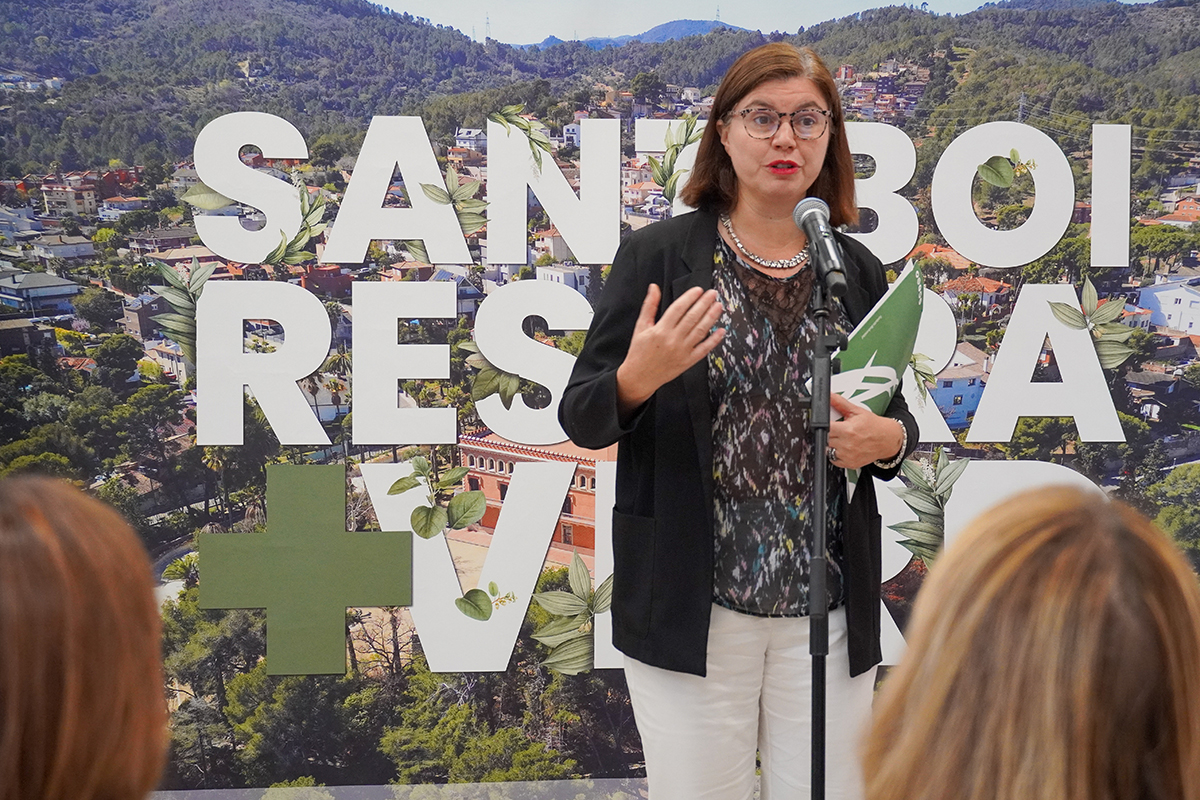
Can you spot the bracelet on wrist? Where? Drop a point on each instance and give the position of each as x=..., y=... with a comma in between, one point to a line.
x=895, y=462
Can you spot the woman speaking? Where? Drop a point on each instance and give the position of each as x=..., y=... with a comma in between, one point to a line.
x=696, y=363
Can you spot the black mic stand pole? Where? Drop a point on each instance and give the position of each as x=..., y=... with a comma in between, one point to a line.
x=827, y=342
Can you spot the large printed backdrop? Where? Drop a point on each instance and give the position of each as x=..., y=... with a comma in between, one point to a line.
x=1078, y=224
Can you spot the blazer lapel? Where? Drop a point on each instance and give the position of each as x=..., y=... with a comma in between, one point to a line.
x=697, y=256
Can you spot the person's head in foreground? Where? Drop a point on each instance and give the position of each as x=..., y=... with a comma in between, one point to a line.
x=82, y=710
x=1054, y=654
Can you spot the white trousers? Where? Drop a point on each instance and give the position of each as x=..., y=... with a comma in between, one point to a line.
x=700, y=735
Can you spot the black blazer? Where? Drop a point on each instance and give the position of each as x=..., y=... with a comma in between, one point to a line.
x=662, y=523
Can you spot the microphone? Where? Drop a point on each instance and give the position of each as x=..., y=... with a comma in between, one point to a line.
x=812, y=216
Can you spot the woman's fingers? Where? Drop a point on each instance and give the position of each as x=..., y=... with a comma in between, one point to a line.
x=649, y=308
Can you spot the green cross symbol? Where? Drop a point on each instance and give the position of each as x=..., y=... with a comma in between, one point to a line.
x=306, y=569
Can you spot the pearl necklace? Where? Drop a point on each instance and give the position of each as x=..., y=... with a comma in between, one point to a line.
x=800, y=258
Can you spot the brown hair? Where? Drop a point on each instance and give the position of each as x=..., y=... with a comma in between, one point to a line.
x=82, y=705
x=712, y=183
x=1054, y=653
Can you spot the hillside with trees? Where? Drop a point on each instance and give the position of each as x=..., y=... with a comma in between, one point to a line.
x=142, y=77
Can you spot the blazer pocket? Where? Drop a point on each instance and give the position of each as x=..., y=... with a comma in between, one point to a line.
x=633, y=573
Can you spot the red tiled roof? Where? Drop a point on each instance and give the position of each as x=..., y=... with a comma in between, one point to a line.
x=564, y=451
x=974, y=283
x=77, y=362
x=937, y=251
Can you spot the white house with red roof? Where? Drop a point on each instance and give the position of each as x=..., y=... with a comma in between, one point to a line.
x=1187, y=212
x=994, y=296
x=1136, y=317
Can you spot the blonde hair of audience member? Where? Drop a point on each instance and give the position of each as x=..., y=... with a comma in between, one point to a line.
x=82, y=708
x=1054, y=654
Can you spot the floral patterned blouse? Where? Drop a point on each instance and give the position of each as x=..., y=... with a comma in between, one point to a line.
x=762, y=452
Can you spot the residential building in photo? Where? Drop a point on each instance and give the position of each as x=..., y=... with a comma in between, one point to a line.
x=23, y=336
x=138, y=317
x=491, y=461
x=959, y=386
x=46, y=248
x=1173, y=304
x=37, y=292
x=60, y=199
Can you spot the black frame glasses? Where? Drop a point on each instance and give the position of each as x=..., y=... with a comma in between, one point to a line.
x=817, y=120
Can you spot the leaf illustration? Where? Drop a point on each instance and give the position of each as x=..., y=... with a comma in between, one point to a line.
x=275, y=255
x=922, y=532
x=206, y=198
x=1112, y=354
x=420, y=465
x=573, y=657
x=602, y=600
x=171, y=275
x=486, y=383
x=179, y=322
x=404, y=484
x=998, y=171
x=469, y=222
x=562, y=604
x=914, y=473
x=477, y=361
x=657, y=173
x=1068, y=315
x=493, y=589
x=452, y=478
x=178, y=298
x=1089, y=298
x=1014, y=156
x=416, y=249
x=947, y=477
x=466, y=509
x=673, y=182
x=198, y=275
x=428, y=521
x=919, y=501
x=509, y=385
x=1108, y=312
x=436, y=193
x=1112, y=331
x=468, y=345
x=580, y=580
x=475, y=604
x=563, y=629
x=924, y=552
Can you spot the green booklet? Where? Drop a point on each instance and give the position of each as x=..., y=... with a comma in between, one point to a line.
x=880, y=348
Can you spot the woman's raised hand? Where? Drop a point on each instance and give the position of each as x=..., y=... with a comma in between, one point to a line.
x=661, y=351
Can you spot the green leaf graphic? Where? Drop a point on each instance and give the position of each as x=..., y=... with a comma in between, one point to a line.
x=475, y=604
x=428, y=521
x=1068, y=315
x=573, y=657
x=404, y=484
x=997, y=171
x=562, y=604
x=466, y=509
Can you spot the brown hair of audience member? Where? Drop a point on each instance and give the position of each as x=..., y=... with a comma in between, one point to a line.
x=712, y=183
x=1054, y=654
x=82, y=707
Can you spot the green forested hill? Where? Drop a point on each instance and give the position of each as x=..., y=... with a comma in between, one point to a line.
x=143, y=76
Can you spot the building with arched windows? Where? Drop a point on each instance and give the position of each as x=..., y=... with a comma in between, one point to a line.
x=492, y=459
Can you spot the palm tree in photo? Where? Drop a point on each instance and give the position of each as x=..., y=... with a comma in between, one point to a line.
x=186, y=569
x=217, y=459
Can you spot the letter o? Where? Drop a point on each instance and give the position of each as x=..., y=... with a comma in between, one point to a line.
x=955, y=214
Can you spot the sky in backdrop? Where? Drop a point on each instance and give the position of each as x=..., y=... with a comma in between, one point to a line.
x=531, y=21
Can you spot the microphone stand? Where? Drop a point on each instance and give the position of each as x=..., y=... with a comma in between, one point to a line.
x=827, y=342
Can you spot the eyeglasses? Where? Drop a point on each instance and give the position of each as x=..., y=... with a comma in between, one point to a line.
x=762, y=123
